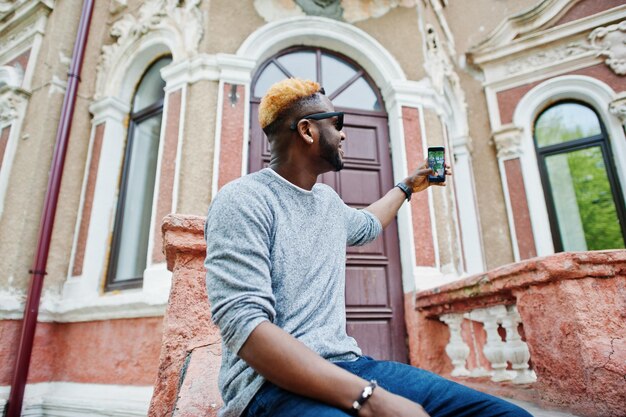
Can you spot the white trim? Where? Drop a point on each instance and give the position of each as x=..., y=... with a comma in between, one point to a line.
x=157, y=179
x=431, y=203
x=509, y=209
x=246, y=130
x=68, y=399
x=218, y=138
x=80, y=303
x=318, y=31
x=471, y=231
x=16, y=101
x=586, y=89
x=179, y=148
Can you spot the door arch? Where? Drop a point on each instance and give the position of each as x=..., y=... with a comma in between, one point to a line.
x=374, y=297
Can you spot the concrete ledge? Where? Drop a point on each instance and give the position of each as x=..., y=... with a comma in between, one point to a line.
x=573, y=310
x=499, y=285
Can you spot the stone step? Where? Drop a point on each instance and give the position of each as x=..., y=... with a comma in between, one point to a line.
x=536, y=411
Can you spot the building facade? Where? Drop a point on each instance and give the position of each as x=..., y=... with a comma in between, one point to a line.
x=528, y=97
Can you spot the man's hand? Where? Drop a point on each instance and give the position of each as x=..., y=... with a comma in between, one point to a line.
x=419, y=180
x=385, y=404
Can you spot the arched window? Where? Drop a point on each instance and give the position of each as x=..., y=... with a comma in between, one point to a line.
x=129, y=245
x=584, y=199
x=344, y=83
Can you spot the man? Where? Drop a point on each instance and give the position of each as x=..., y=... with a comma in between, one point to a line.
x=275, y=264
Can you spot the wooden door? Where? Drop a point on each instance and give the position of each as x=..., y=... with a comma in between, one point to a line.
x=374, y=297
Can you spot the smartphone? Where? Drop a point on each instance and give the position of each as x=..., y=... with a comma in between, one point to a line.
x=437, y=161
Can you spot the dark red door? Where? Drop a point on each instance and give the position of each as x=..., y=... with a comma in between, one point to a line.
x=374, y=298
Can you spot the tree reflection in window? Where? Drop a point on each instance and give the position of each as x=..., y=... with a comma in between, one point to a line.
x=585, y=201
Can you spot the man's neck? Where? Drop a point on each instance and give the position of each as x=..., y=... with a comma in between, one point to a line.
x=295, y=174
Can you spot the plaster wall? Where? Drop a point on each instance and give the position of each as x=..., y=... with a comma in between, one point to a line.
x=443, y=202
x=472, y=25
x=485, y=16
x=398, y=32
x=27, y=184
x=229, y=24
x=196, y=172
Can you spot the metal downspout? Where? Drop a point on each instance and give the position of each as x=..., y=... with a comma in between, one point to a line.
x=18, y=383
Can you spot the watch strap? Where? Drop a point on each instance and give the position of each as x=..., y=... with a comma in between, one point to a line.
x=406, y=189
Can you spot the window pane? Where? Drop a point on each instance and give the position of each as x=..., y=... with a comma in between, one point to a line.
x=335, y=73
x=565, y=122
x=300, y=64
x=358, y=96
x=137, y=210
x=151, y=87
x=583, y=200
x=271, y=74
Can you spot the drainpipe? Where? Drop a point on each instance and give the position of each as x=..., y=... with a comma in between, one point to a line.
x=18, y=383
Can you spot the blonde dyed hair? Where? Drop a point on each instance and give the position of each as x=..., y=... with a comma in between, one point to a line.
x=282, y=95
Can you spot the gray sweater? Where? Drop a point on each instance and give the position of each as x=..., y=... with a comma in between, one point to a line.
x=277, y=252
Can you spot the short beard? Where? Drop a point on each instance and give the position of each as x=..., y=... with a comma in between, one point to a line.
x=330, y=154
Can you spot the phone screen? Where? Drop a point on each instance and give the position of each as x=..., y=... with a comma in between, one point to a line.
x=436, y=161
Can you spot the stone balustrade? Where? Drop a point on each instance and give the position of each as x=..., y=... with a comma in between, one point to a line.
x=500, y=353
x=566, y=312
x=554, y=326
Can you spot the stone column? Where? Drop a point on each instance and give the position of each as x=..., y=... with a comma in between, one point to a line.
x=191, y=352
x=456, y=349
x=491, y=317
x=508, y=145
x=515, y=349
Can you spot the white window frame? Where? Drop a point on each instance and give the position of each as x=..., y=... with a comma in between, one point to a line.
x=588, y=90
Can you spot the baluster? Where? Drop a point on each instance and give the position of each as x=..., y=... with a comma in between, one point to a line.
x=494, y=348
x=515, y=349
x=456, y=349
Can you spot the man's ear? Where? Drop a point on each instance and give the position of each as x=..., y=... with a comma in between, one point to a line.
x=306, y=130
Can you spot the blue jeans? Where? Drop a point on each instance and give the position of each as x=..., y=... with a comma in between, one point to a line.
x=439, y=396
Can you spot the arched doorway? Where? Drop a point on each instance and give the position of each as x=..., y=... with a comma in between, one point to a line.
x=374, y=297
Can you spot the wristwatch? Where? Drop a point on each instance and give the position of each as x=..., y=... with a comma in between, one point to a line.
x=406, y=189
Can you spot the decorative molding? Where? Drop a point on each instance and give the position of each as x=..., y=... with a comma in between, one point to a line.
x=12, y=104
x=11, y=76
x=523, y=23
x=117, y=6
x=180, y=24
x=8, y=6
x=225, y=67
x=330, y=9
x=610, y=42
x=350, y=11
x=508, y=141
x=550, y=56
x=65, y=399
x=618, y=107
x=22, y=22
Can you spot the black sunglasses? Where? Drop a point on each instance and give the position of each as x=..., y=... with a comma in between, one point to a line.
x=320, y=116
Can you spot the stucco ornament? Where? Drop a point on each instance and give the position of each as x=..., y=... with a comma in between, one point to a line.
x=508, y=141
x=437, y=64
x=181, y=19
x=548, y=57
x=11, y=105
x=350, y=11
x=610, y=42
x=618, y=107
